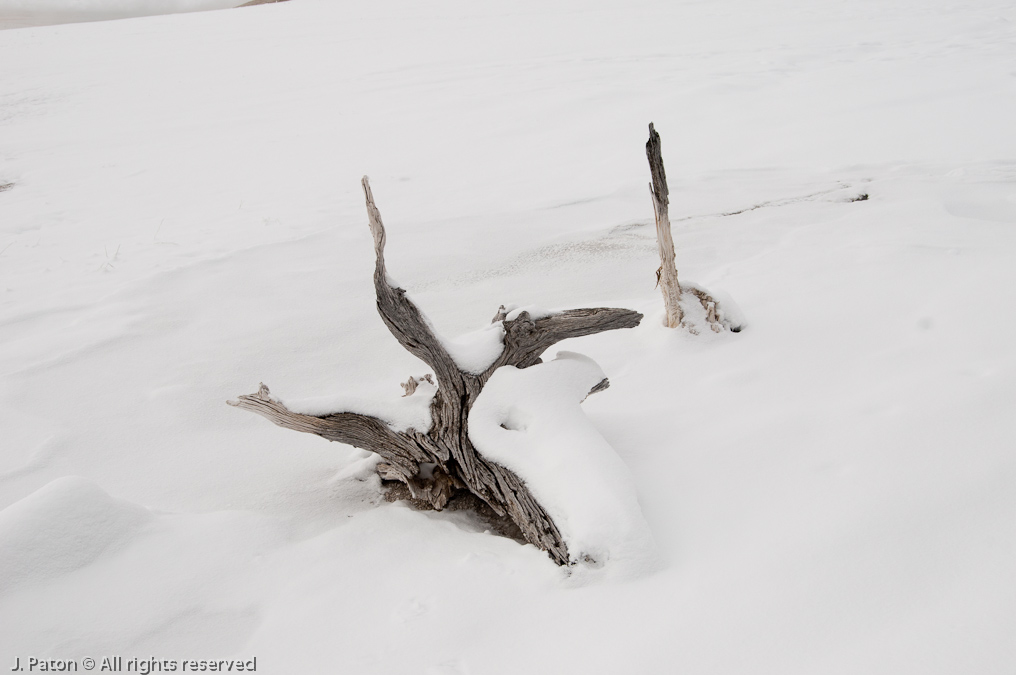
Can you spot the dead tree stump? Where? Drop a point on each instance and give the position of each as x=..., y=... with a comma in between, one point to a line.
x=667, y=274
x=437, y=462
x=669, y=285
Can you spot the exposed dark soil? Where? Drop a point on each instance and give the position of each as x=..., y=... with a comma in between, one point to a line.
x=463, y=500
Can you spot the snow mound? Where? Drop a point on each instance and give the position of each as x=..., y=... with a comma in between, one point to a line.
x=727, y=311
x=535, y=312
x=530, y=421
x=61, y=527
x=402, y=414
x=474, y=352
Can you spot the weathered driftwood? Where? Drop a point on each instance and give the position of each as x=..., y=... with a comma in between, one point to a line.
x=436, y=462
x=667, y=274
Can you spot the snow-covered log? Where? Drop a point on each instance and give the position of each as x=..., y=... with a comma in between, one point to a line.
x=438, y=461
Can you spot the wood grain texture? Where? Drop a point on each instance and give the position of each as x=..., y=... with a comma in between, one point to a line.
x=667, y=274
x=436, y=462
x=669, y=285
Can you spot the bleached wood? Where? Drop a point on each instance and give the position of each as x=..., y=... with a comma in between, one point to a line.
x=410, y=385
x=708, y=304
x=667, y=274
x=669, y=285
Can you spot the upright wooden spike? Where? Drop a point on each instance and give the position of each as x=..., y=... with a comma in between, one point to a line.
x=667, y=274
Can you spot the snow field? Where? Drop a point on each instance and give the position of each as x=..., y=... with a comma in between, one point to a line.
x=829, y=491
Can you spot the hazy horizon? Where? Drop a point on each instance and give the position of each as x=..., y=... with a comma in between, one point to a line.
x=20, y=14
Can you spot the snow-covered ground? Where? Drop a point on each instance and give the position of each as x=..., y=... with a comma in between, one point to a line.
x=27, y=13
x=833, y=490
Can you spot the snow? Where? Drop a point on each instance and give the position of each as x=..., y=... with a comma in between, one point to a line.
x=26, y=13
x=530, y=421
x=475, y=351
x=59, y=528
x=535, y=312
x=401, y=414
x=727, y=310
x=831, y=490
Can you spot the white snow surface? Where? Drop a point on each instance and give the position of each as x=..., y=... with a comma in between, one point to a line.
x=401, y=414
x=534, y=311
x=727, y=310
x=832, y=490
x=27, y=13
x=475, y=351
x=61, y=527
x=530, y=421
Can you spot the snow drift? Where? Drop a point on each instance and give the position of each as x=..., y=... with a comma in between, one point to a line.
x=830, y=491
x=530, y=421
x=60, y=528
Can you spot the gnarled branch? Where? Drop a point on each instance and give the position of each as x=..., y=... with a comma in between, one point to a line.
x=440, y=460
x=526, y=339
x=360, y=431
x=403, y=318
